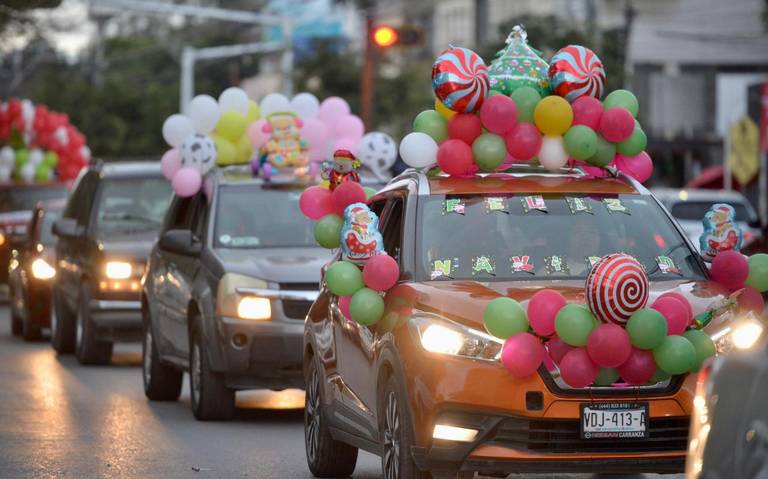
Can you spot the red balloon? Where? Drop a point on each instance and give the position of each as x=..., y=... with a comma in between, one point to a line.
x=608, y=345
x=675, y=312
x=465, y=127
x=751, y=300
x=381, y=272
x=681, y=298
x=558, y=348
x=523, y=141
x=499, y=114
x=315, y=202
x=587, y=111
x=522, y=354
x=542, y=309
x=616, y=124
x=638, y=368
x=730, y=268
x=577, y=369
x=455, y=158
x=345, y=194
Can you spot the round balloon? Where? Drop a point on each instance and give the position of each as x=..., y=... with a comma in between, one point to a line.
x=575, y=71
x=460, y=79
x=198, y=152
x=378, y=152
x=617, y=286
x=418, y=150
x=234, y=99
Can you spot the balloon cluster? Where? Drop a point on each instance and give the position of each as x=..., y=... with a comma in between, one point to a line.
x=486, y=119
x=39, y=144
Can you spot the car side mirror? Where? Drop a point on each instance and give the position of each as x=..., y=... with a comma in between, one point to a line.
x=67, y=227
x=181, y=242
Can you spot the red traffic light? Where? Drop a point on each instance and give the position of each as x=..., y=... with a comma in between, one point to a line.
x=385, y=36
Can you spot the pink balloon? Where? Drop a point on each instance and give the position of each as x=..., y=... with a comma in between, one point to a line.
x=542, y=309
x=508, y=161
x=170, y=163
x=455, y=158
x=557, y=349
x=616, y=124
x=608, y=345
x=577, y=369
x=682, y=299
x=349, y=126
x=315, y=202
x=498, y=114
x=381, y=272
x=751, y=300
x=315, y=133
x=675, y=312
x=318, y=153
x=523, y=141
x=730, y=268
x=345, y=194
x=465, y=127
x=344, y=302
x=346, y=144
x=587, y=111
x=186, y=182
x=522, y=354
x=333, y=108
x=639, y=167
x=595, y=171
x=638, y=368
x=256, y=134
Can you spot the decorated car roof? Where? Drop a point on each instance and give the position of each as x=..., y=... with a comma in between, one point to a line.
x=530, y=183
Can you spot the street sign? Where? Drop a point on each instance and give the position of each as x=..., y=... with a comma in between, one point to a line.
x=743, y=152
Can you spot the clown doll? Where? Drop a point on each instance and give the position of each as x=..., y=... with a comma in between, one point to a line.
x=342, y=170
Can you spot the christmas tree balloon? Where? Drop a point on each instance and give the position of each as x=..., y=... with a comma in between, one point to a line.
x=518, y=65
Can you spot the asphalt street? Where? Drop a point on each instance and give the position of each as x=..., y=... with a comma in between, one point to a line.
x=62, y=420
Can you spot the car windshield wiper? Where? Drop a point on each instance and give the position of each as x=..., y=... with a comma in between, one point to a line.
x=129, y=216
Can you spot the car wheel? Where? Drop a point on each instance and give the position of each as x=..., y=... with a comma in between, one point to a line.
x=62, y=327
x=88, y=349
x=29, y=330
x=162, y=382
x=211, y=399
x=396, y=435
x=16, y=320
x=325, y=456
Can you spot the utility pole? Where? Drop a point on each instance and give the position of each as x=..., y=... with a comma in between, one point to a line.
x=369, y=66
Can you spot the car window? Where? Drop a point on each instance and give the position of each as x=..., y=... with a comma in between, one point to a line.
x=695, y=210
x=79, y=205
x=46, y=227
x=538, y=236
x=199, y=216
x=393, y=227
x=132, y=205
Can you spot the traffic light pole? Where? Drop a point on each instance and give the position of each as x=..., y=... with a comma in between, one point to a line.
x=366, y=80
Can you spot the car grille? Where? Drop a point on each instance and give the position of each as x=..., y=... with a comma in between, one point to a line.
x=563, y=436
x=297, y=309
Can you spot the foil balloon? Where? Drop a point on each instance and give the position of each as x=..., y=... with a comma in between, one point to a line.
x=575, y=71
x=518, y=65
x=285, y=147
x=617, y=286
x=460, y=79
x=721, y=233
x=360, y=237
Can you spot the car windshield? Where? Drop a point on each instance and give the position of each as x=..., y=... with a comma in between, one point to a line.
x=132, y=205
x=249, y=216
x=500, y=237
x=695, y=210
x=46, y=227
x=25, y=198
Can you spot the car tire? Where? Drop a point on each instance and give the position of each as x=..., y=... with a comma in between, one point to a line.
x=62, y=327
x=16, y=323
x=88, y=349
x=162, y=382
x=210, y=397
x=326, y=457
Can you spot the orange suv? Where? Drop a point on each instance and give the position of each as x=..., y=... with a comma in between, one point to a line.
x=424, y=387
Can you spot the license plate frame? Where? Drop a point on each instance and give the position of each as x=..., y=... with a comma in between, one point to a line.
x=617, y=432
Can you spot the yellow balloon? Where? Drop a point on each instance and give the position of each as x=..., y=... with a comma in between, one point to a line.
x=325, y=184
x=244, y=149
x=443, y=110
x=226, y=153
x=254, y=113
x=553, y=115
x=231, y=125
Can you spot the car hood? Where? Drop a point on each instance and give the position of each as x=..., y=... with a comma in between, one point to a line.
x=464, y=301
x=135, y=246
x=279, y=265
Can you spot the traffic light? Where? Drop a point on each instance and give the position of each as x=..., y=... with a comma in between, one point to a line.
x=385, y=36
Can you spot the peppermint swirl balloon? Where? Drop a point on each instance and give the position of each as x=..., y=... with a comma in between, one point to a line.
x=460, y=79
x=575, y=71
x=617, y=286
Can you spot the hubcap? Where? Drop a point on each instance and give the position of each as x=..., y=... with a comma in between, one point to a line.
x=312, y=417
x=147, y=356
x=391, y=458
x=195, y=373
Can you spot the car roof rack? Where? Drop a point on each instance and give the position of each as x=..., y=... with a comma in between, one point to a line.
x=521, y=169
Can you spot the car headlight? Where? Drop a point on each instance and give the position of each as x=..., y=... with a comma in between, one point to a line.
x=742, y=333
x=254, y=307
x=42, y=270
x=230, y=303
x=118, y=269
x=440, y=335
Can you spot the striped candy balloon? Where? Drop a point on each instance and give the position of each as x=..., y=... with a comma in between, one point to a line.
x=617, y=286
x=575, y=71
x=460, y=79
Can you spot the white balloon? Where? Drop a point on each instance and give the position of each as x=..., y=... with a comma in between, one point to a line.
x=27, y=172
x=35, y=157
x=85, y=152
x=204, y=112
x=418, y=150
x=274, y=102
x=176, y=129
x=7, y=155
x=377, y=151
x=305, y=105
x=552, y=155
x=5, y=173
x=234, y=99
x=61, y=136
x=198, y=152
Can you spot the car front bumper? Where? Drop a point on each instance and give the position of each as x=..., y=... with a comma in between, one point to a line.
x=116, y=320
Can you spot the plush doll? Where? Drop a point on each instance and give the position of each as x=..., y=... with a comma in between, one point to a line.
x=343, y=169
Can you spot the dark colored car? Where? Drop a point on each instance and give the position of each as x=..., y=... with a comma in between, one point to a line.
x=17, y=200
x=31, y=273
x=226, y=292
x=104, y=235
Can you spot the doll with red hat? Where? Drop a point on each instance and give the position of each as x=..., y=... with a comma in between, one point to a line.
x=343, y=169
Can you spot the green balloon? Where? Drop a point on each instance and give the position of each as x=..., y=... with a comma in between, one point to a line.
x=42, y=172
x=580, y=142
x=675, y=355
x=344, y=278
x=635, y=144
x=574, y=323
x=606, y=377
x=647, y=328
x=526, y=98
x=328, y=231
x=605, y=153
x=489, y=151
x=369, y=191
x=705, y=347
x=433, y=124
x=624, y=99
x=758, y=272
x=658, y=377
x=22, y=156
x=366, y=306
x=504, y=317
x=51, y=159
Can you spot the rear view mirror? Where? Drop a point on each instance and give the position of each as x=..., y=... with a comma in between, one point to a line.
x=67, y=227
x=180, y=242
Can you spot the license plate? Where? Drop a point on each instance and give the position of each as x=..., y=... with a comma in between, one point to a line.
x=614, y=420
